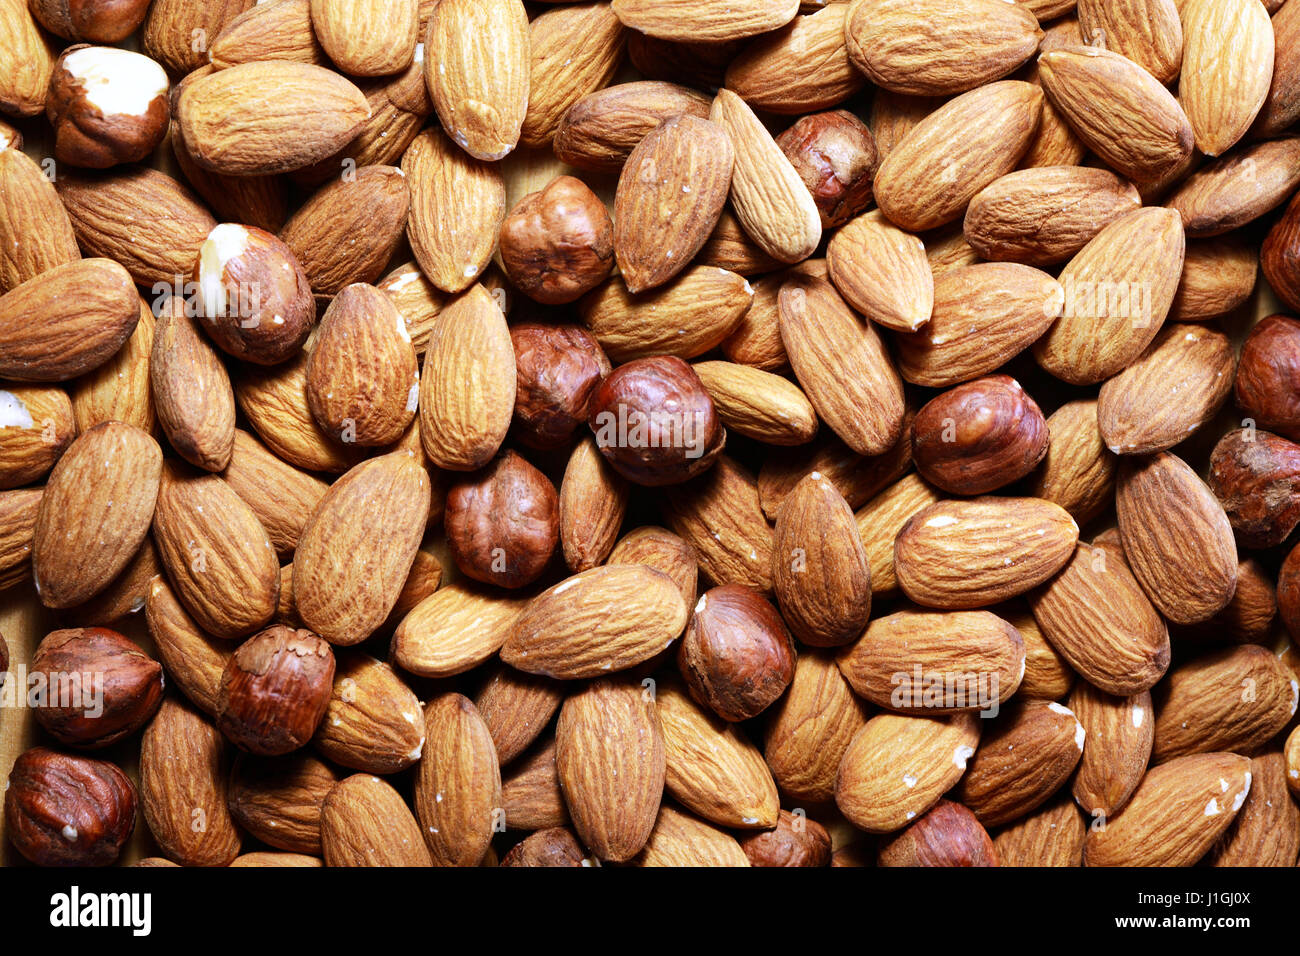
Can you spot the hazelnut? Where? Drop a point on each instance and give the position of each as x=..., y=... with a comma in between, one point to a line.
x=949, y=835
x=655, y=422
x=107, y=106
x=65, y=810
x=979, y=436
x=1268, y=376
x=99, y=686
x=736, y=655
x=1279, y=256
x=275, y=690
x=503, y=523
x=254, y=298
x=558, y=243
x=796, y=841
x=554, y=846
x=1256, y=477
x=1288, y=593
x=558, y=369
x=90, y=21
x=4, y=659
x=835, y=156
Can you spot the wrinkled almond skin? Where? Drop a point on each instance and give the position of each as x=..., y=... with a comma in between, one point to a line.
x=558, y=243
x=192, y=391
x=278, y=800
x=600, y=130
x=517, y=707
x=1050, y=836
x=558, y=369
x=365, y=822
x=194, y=660
x=1118, y=733
x=458, y=786
x=1078, y=471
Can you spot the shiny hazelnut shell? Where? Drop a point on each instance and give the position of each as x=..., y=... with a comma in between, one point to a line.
x=1267, y=387
x=503, y=522
x=558, y=242
x=131, y=688
x=275, y=690
x=558, y=369
x=1256, y=477
x=979, y=436
x=835, y=156
x=90, y=21
x=736, y=655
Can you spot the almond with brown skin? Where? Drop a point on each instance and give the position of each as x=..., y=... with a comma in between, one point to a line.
x=1078, y=472
x=268, y=31
x=1096, y=615
x=39, y=428
x=820, y=570
x=1218, y=276
x=898, y=767
x=370, y=39
x=467, y=391
x=278, y=800
x=1176, y=537
x=194, y=659
x=593, y=501
x=174, y=28
x=1047, y=674
x=120, y=390
x=1179, y=810
x=609, y=756
x=1235, y=699
x=417, y=299
x=1267, y=829
x=719, y=515
x=18, y=511
x=600, y=130
x=1238, y=189
x=929, y=178
x=1148, y=32
x=95, y=513
x=922, y=662
x=705, y=21
x=939, y=48
x=802, y=68
x=949, y=835
x=570, y=631
x=282, y=496
x=373, y=721
x=961, y=554
x=1051, y=836
x=35, y=232
x=1282, y=106
x=192, y=391
x=127, y=594
x=1118, y=733
x=364, y=822
x=882, y=272
x=574, y=51
x=367, y=528
x=28, y=62
x=664, y=551
x=669, y=197
x=454, y=630
x=517, y=707
x=458, y=788
x=859, y=478
x=679, y=839
x=880, y=520
x=758, y=404
x=1224, y=83
x=530, y=793
x=730, y=247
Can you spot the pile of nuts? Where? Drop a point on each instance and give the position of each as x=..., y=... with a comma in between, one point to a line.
x=666, y=432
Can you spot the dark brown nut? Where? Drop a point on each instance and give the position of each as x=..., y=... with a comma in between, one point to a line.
x=1268, y=375
x=554, y=846
x=503, y=523
x=4, y=659
x=558, y=243
x=98, y=686
x=835, y=156
x=107, y=106
x=558, y=369
x=949, y=835
x=979, y=437
x=1256, y=477
x=1279, y=256
x=278, y=800
x=275, y=690
x=1288, y=593
x=254, y=298
x=1248, y=618
x=90, y=21
x=736, y=655
x=796, y=841
x=63, y=810
x=655, y=422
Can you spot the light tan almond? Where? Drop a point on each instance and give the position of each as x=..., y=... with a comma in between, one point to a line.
x=35, y=232
x=282, y=496
x=1078, y=472
x=882, y=272
x=599, y=131
x=574, y=51
x=1267, y=830
x=664, y=551
x=18, y=511
x=194, y=660
x=178, y=33
x=370, y=37
x=1051, y=836
x=1227, y=69
x=679, y=839
x=1218, y=276
x=880, y=520
x=454, y=630
x=802, y=68
x=705, y=21
x=119, y=390
x=458, y=787
x=364, y=822
x=192, y=391
x=373, y=722
x=758, y=404
x=1116, y=749
x=720, y=516
x=1239, y=188
x=593, y=502
x=1148, y=32
x=281, y=30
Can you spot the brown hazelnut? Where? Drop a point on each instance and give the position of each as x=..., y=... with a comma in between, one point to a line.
x=835, y=156
x=254, y=298
x=275, y=690
x=979, y=436
x=736, y=655
x=1256, y=477
x=1288, y=594
x=1268, y=375
x=65, y=810
x=655, y=422
x=558, y=243
x=98, y=686
x=503, y=522
x=796, y=841
x=554, y=846
x=90, y=21
x=949, y=835
x=558, y=369
x=1279, y=256
x=4, y=659
x=107, y=106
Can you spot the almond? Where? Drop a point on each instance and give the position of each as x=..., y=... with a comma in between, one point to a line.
x=417, y=299
x=268, y=31
x=1238, y=189
x=282, y=496
x=664, y=551
x=609, y=756
x=705, y=21
x=599, y=131
x=568, y=632
x=177, y=33
x=574, y=51
x=1267, y=829
x=35, y=232
x=899, y=767
x=1096, y=615
x=127, y=595
x=730, y=247
x=95, y=513
x=372, y=38
x=250, y=119
x=1224, y=82
x=364, y=822
x=194, y=660
x=670, y=194
x=1282, y=107
x=679, y=839
x=467, y=391
x=1047, y=675
x=882, y=272
x=758, y=404
x=192, y=391
x=799, y=69
x=935, y=48
x=880, y=520
x=1051, y=836
x=66, y=321
x=477, y=66
x=531, y=795
x=894, y=115
x=517, y=708
x=917, y=661
x=719, y=515
x=373, y=722
x=119, y=390
x=1218, y=276
x=1177, y=538
x=18, y=511
x=1148, y=32
x=454, y=630
x=1117, y=746
x=977, y=552
x=1078, y=472
x=770, y=200
x=366, y=528
x=28, y=61
x=458, y=788
x=858, y=478
x=593, y=502
x=1179, y=810
x=279, y=801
